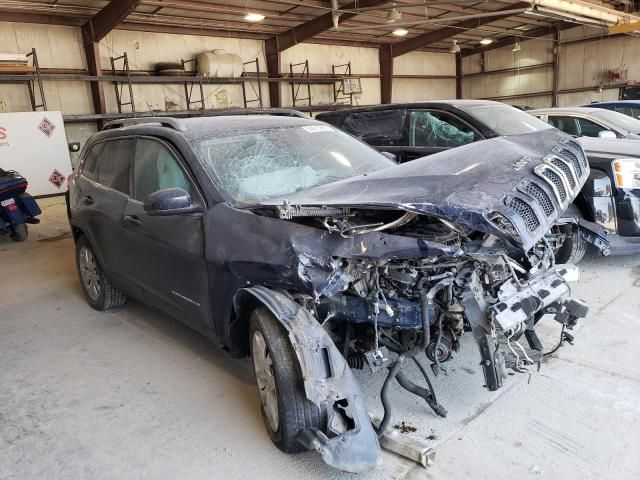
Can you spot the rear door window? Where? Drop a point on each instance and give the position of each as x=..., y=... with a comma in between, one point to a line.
x=632, y=112
x=91, y=161
x=378, y=128
x=114, y=164
x=157, y=168
x=438, y=129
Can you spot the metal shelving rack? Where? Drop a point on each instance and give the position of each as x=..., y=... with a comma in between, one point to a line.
x=31, y=84
x=300, y=76
x=188, y=86
x=257, y=88
x=296, y=83
x=341, y=72
x=119, y=85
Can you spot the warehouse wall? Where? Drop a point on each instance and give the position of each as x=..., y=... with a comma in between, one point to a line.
x=424, y=63
x=57, y=47
x=582, y=66
x=146, y=49
x=60, y=48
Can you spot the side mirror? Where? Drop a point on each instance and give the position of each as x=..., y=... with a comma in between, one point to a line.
x=390, y=156
x=606, y=134
x=74, y=147
x=170, y=201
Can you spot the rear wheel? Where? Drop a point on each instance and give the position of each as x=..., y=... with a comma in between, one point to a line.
x=574, y=247
x=285, y=408
x=20, y=232
x=100, y=294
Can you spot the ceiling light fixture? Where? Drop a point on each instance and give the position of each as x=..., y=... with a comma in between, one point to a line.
x=516, y=47
x=254, y=17
x=455, y=48
x=394, y=16
x=400, y=32
x=486, y=41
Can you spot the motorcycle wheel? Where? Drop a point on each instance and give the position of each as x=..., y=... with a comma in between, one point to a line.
x=20, y=232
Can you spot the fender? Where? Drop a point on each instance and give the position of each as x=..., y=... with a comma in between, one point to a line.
x=349, y=442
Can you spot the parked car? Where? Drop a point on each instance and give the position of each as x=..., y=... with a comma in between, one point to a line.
x=283, y=238
x=626, y=107
x=414, y=130
x=591, y=122
x=611, y=196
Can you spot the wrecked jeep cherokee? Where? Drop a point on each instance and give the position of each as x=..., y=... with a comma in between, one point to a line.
x=285, y=239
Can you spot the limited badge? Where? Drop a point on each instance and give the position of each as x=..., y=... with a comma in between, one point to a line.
x=46, y=127
x=57, y=179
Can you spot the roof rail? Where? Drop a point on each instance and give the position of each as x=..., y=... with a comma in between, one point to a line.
x=283, y=112
x=164, y=121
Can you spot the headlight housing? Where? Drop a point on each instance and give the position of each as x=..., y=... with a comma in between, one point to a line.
x=626, y=172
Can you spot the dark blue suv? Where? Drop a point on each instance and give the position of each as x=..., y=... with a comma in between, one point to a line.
x=286, y=239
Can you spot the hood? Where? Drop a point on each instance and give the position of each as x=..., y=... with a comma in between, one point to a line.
x=506, y=186
x=610, y=146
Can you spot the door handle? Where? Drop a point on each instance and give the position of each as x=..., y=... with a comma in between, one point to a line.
x=87, y=199
x=133, y=219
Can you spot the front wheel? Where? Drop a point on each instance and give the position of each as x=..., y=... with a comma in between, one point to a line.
x=100, y=293
x=285, y=408
x=574, y=246
x=20, y=232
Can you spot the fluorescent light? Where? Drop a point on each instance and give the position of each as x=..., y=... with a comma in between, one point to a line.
x=455, y=48
x=400, y=32
x=516, y=47
x=486, y=41
x=254, y=17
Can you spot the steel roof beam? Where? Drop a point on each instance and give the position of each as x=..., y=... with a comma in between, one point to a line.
x=107, y=19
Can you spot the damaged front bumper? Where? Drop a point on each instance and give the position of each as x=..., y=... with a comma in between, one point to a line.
x=521, y=305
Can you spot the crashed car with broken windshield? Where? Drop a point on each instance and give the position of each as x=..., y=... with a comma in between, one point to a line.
x=283, y=238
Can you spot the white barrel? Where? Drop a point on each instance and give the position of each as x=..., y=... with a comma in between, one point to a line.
x=218, y=63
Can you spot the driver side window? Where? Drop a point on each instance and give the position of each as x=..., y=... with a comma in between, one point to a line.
x=156, y=168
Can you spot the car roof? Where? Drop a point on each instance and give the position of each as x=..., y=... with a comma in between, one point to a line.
x=575, y=110
x=217, y=125
x=426, y=103
x=620, y=103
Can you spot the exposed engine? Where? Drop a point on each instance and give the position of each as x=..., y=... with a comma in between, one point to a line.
x=478, y=283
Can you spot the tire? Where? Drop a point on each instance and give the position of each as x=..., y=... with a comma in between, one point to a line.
x=169, y=66
x=97, y=288
x=574, y=247
x=295, y=412
x=20, y=232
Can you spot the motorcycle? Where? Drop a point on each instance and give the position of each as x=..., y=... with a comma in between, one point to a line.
x=17, y=208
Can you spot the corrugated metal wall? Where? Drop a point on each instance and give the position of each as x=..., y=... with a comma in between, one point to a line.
x=583, y=68
x=60, y=47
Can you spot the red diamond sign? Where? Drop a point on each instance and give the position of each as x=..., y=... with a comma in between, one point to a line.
x=57, y=179
x=46, y=127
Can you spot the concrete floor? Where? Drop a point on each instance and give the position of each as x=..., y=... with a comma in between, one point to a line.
x=133, y=394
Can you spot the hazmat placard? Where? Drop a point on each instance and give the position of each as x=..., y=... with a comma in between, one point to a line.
x=35, y=144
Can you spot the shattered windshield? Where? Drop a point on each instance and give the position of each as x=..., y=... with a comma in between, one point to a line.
x=257, y=165
x=505, y=119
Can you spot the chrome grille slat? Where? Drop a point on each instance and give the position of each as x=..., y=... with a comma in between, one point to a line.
x=556, y=181
x=525, y=211
x=564, y=167
x=573, y=159
x=539, y=195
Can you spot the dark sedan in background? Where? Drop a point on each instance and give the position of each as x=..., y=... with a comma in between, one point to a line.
x=413, y=130
x=627, y=107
